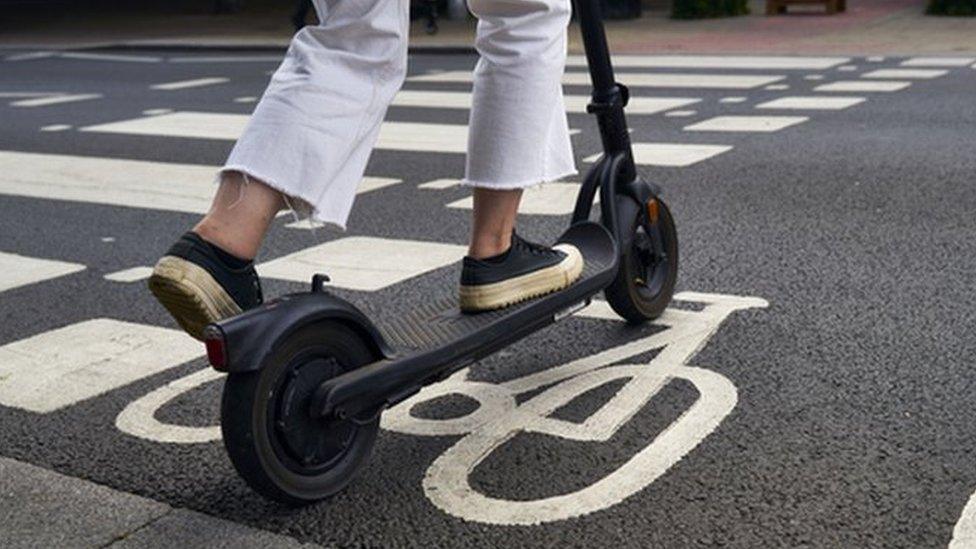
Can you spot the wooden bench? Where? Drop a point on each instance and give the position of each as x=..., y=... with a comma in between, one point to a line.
x=776, y=7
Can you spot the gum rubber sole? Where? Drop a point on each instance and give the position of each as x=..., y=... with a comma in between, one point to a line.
x=190, y=294
x=487, y=297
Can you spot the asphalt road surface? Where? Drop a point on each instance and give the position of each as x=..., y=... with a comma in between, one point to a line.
x=811, y=386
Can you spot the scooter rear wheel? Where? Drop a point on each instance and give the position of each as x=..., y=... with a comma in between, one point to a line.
x=648, y=269
x=280, y=450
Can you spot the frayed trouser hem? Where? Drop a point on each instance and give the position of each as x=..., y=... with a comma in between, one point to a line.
x=514, y=185
x=300, y=206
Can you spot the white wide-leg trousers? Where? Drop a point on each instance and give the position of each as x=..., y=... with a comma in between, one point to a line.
x=312, y=133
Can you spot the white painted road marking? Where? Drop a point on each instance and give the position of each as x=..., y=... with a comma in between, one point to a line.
x=56, y=128
x=65, y=366
x=351, y=262
x=717, y=62
x=733, y=100
x=777, y=87
x=133, y=274
x=55, y=100
x=440, y=184
x=109, y=57
x=139, y=417
x=812, y=102
x=184, y=84
x=116, y=182
x=863, y=86
x=574, y=103
x=6, y=95
x=905, y=73
x=649, y=80
x=30, y=56
x=131, y=183
x=547, y=199
x=964, y=534
x=18, y=270
x=499, y=417
x=677, y=155
x=763, y=124
x=397, y=136
x=228, y=59
x=681, y=113
x=938, y=61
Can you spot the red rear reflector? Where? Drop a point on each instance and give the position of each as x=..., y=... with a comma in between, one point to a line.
x=653, y=211
x=216, y=352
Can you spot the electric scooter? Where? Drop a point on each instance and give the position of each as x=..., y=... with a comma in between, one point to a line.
x=310, y=374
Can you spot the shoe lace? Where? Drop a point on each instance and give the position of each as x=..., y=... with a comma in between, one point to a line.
x=531, y=247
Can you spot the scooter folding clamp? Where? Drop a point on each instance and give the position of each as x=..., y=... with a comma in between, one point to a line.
x=620, y=96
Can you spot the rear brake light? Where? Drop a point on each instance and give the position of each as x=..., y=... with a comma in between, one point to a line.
x=213, y=337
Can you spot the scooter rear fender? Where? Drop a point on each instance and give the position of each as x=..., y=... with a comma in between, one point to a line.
x=250, y=337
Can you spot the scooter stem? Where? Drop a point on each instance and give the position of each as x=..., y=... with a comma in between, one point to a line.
x=609, y=98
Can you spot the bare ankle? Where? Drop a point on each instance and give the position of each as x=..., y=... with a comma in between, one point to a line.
x=227, y=240
x=489, y=246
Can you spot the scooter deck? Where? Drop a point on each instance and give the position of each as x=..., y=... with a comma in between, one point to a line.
x=436, y=323
x=436, y=339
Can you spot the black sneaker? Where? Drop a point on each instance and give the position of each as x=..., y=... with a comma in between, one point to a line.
x=523, y=272
x=197, y=285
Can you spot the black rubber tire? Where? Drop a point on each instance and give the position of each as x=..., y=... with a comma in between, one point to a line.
x=255, y=445
x=634, y=302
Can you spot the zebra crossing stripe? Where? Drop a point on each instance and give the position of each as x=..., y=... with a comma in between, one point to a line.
x=109, y=57
x=635, y=79
x=762, y=124
x=133, y=274
x=921, y=74
x=716, y=62
x=352, y=263
x=18, y=270
x=676, y=155
x=863, y=86
x=55, y=99
x=62, y=367
x=813, y=103
x=574, y=103
x=547, y=199
x=184, y=84
x=938, y=61
x=397, y=136
x=118, y=182
x=440, y=184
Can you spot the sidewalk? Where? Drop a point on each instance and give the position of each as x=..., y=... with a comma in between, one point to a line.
x=869, y=27
x=41, y=508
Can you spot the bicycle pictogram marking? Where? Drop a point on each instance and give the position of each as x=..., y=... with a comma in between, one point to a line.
x=499, y=418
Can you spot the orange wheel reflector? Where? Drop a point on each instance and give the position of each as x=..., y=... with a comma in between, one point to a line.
x=653, y=211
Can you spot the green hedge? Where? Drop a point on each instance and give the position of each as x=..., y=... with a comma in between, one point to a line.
x=699, y=9
x=951, y=7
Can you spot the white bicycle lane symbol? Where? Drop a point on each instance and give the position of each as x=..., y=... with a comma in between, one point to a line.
x=498, y=417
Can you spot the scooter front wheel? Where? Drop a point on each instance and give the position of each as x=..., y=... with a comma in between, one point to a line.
x=279, y=448
x=648, y=269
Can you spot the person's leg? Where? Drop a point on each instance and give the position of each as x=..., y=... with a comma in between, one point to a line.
x=307, y=146
x=518, y=137
x=519, y=134
x=241, y=212
x=493, y=221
